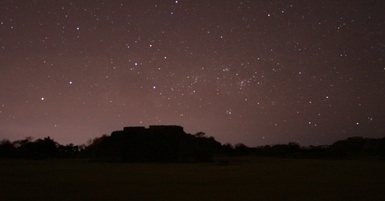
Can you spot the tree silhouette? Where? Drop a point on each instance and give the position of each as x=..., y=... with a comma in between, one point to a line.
x=6, y=149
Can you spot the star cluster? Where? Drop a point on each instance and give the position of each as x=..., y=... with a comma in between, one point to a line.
x=252, y=72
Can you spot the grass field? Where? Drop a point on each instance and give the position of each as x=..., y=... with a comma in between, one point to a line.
x=242, y=179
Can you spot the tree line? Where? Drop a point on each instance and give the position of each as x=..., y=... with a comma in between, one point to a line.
x=172, y=144
x=351, y=148
x=38, y=149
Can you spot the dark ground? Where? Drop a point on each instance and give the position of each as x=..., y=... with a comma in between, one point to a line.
x=242, y=179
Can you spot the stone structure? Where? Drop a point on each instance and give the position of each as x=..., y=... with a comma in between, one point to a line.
x=155, y=128
x=157, y=143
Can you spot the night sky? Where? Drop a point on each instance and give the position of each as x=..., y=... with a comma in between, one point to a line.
x=252, y=72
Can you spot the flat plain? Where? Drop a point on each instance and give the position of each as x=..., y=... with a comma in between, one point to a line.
x=244, y=178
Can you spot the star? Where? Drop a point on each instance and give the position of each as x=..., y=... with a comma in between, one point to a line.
x=223, y=66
